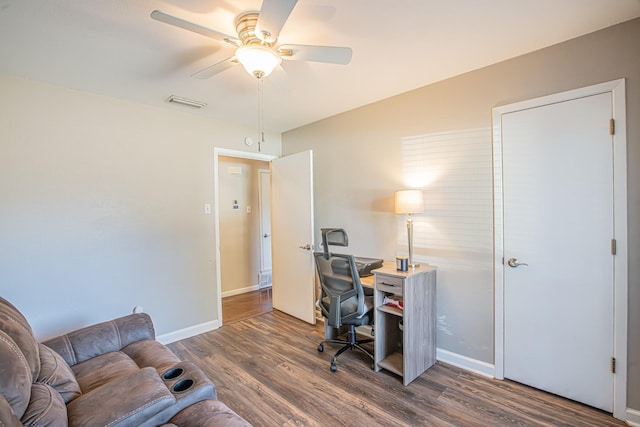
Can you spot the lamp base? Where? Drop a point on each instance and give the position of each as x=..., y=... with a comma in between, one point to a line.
x=414, y=265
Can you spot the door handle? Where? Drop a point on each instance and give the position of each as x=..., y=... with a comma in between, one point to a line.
x=306, y=247
x=513, y=263
x=266, y=235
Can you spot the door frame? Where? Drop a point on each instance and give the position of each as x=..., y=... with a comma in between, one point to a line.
x=617, y=90
x=261, y=173
x=217, y=152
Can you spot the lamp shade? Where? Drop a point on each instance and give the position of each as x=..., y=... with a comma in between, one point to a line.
x=259, y=61
x=409, y=202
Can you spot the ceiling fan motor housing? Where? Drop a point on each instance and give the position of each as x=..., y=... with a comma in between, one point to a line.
x=246, y=28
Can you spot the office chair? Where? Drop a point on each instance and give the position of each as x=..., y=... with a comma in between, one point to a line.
x=342, y=300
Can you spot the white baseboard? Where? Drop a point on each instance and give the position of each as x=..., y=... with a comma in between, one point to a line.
x=633, y=417
x=240, y=291
x=464, y=362
x=188, y=332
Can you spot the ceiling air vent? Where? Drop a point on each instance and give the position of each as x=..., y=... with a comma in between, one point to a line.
x=186, y=101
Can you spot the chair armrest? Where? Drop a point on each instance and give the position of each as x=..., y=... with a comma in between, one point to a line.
x=334, y=318
x=91, y=341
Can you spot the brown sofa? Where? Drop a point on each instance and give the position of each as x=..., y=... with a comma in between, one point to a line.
x=110, y=374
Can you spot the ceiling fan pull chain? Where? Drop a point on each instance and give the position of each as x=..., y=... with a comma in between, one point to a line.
x=260, y=118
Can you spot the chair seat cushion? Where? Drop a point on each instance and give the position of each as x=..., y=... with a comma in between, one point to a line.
x=126, y=401
x=350, y=306
x=103, y=369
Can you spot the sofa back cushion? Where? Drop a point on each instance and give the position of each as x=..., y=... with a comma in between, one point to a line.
x=13, y=323
x=55, y=372
x=7, y=417
x=46, y=408
x=91, y=341
x=15, y=375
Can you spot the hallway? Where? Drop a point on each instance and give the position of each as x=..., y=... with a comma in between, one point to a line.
x=245, y=306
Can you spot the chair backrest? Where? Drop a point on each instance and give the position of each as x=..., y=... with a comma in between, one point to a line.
x=333, y=237
x=342, y=299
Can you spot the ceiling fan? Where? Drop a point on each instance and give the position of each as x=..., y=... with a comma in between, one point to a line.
x=256, y=44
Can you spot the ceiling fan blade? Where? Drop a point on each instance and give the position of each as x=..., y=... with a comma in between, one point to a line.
x=273, y=15
x=215, y=68
x=329, y=54
x=161, y=16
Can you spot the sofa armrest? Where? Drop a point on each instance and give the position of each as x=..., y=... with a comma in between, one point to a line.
x=91, y=341
x=208, y=413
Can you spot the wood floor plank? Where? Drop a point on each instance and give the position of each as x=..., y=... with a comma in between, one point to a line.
x=267, y=368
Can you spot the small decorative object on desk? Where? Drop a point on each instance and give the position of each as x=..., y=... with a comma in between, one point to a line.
x=393, y=302
x=402, y=263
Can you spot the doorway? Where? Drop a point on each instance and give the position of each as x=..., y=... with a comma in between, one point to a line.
x=560, y=239
x=292, y=241
x=264, y=187
x=238, y=230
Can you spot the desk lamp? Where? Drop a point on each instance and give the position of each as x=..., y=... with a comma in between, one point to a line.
x=409, y=202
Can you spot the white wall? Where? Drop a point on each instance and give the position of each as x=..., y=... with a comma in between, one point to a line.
x=101, y=208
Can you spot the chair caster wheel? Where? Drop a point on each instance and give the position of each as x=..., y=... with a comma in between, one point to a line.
x=333, y=367
x=320, y=348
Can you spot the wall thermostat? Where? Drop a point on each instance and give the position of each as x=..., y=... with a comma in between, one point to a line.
x=248, y=141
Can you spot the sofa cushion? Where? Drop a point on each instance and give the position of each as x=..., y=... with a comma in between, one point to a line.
x=126, y=401
x=208, y=413
x=100, y=370
x=15, y=375
x=151, y=353
x=7, y=417
x=13, y=323
x=91, y=341
x=55, y=372
x=46, y=408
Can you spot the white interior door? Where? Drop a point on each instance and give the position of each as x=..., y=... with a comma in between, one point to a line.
x=558, y=218
x=265, y=224
x=292, y=235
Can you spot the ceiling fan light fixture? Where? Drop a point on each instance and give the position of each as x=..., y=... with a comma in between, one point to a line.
x=258, y=60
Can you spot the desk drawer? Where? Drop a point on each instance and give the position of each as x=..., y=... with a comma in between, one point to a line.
x=391, y=284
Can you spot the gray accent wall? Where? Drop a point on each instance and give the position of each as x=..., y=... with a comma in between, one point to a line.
x=358, y=166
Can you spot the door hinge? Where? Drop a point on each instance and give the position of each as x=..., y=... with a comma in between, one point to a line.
x=612, y=127
x=613, y=365
x=613, y=246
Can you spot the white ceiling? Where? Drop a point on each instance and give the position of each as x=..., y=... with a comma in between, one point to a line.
x=113, y=47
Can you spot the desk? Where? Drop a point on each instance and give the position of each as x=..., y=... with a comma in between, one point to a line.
x=409, y=351
x=369, y=281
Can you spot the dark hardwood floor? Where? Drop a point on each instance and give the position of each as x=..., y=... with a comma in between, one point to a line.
x=268, y=370
x=244, y=306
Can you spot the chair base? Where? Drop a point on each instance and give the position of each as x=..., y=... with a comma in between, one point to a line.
x=349, y=344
